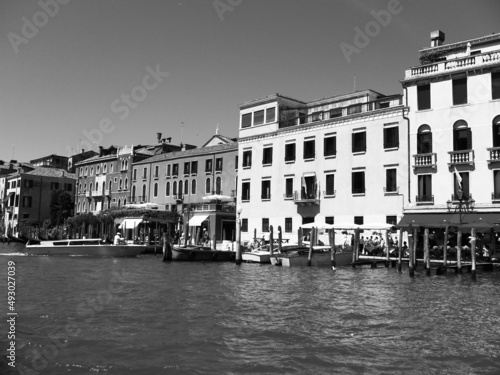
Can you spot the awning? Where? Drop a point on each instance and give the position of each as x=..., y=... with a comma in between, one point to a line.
x=469, y=220
x=130, y=223
x=196, y=221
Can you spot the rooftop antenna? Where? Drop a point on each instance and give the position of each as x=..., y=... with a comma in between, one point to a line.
x=355, y=83
x=182, y=130
x=217, y=130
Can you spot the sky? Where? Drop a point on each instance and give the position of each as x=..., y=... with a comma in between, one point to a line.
x=81, y=74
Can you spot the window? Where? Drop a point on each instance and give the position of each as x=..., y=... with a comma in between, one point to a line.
x=267, y=156
x=461, y=182
x=105, y=168
x=359, y=220
x=390, y=180
x=157, y=171
x=496, y=131
x=289, y=152
x=174, y=188
x=180, y=187
x=244, y=225
x=309, y=187
x=266, y=190
x=258, y=117
x=120, y=185
x=354, y=109
x=270, y=114
x=218, y=185
x=91, y=171
x=309, y=149
x=335, y=112
x=495, y=85
x=28, y=183
x=424, y=189
x=247, y=159
x=133, y=193
x=194, y=167
x=208, y=166
x=193, y=187
x=98, y=169
x=134, y=175
x=175, y=170
x=167, y=189
x=391, y=137
x=462, y=136
x=359, y=142
x=143, y=192
x=27, y=201
x=245, y=191
x=330, y=185
x=265, y=224
x=246, y=120
x=208, y=186
x=168, y=171
x=155, y=191
x=329, y=220
x=459, y=91
x=187, y=168
x=218, y=165
x=289, y=187
x=330, y=146
x=317, y=116
x=424, y=96
x=144, y=173
x=288, y=225
x=392, y=220
x=358, y=182
x=424, y=140
x=186, y=187
x=236, y=160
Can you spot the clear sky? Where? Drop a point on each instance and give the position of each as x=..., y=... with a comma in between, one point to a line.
x=122, y=70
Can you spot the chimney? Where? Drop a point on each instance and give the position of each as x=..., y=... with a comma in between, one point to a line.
x=158, y=136
x=82, y=150
x=169, y=139
x=437, y=38
x=101, y=150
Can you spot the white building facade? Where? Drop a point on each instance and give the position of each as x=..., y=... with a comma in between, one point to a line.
x=341, y=159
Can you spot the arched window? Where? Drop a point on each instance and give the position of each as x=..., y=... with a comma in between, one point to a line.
x=496, y=131
x=110, y=185
x=90, y=187
x=85, y=187
x=193, y=187
x=133, y=193
x=105, y=168
x=180, y=187
x=207, y=186
x=79, y=206
x=167, y=189
x=126, y=183
x=462, y=136
x=80, y=187
x=119, y=202
x=125, y=202
x=424, y=139
x=156, y=190
x=143, y=192
x=97, y=186
x=218, y=185
x=186, y=187
x=91, y=171
x=174, y=188
x=98, y=169
x=86, y=171
x=120, y=184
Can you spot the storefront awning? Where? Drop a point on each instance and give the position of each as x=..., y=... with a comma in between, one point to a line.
x=478, y=220
x=130, y=223
x=196, y=221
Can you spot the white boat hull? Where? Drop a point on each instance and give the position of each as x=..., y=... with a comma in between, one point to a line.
x=84, y=248
x=256, y=257
x=318, y=259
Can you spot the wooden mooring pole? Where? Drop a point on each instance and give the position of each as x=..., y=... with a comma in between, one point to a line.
x=411, y=266
x=473, y=253
x=280, y=240
x=331, y=238
x=427, y=258
x=271, y=240
x=459, y=251
x=386, y=241
x=400, y=249
x=311, y=240
x=167, y=249
x=445, y=247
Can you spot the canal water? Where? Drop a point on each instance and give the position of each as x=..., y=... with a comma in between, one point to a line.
x=78, y=315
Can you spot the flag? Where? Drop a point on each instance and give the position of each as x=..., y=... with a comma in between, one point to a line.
x=458, y=178
x=304, y=185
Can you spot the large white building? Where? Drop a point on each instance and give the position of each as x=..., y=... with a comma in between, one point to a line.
x=341, y=159
x=454, y=102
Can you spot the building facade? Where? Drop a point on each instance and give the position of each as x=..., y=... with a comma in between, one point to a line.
x=341, y=159
x=454, y=101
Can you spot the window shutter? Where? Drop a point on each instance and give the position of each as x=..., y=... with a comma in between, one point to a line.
x=430, y=142
x=469, y=139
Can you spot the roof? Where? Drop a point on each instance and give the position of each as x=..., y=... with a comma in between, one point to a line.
x=447, y=47
x=51, y=172
x=222, y=138
x=188, y=153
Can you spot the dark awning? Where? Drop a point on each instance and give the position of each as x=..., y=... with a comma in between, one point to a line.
x=478, y=220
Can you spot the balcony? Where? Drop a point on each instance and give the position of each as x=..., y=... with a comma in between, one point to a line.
x=449, y=66
x=424, y=200
x=461, y=157
x=88, y=194
x=220, y=207
x=494, y=154
x=179, y=197
x=424, y=160
x=306, y=199
x=107, y=192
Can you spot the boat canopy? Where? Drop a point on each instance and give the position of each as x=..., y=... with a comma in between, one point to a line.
x=196, y=221
x=130, y=223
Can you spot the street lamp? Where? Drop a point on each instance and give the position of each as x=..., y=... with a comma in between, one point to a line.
x=462, y=206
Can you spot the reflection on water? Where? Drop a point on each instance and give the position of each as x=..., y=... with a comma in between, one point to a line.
x=143, y=316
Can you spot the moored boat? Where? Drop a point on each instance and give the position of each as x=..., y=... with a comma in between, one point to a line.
x=84, y=247
x=321, y=257
x=201, y=253
x=258, y=255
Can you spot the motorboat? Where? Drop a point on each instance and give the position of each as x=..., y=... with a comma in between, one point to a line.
x=84, y=247
x=201, y=253
x=257, y=255
x=321, y=257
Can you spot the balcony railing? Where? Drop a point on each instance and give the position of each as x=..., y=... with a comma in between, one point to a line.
x=494, y=154
x=107, y=192
x=179, y=197
x=138, y=199
x=88, y=194
x=461, y=157
x=221, y=207
x=452, y=65
x=424, y=199
x=306, y=199
x=465, y=197
x=424, y=160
